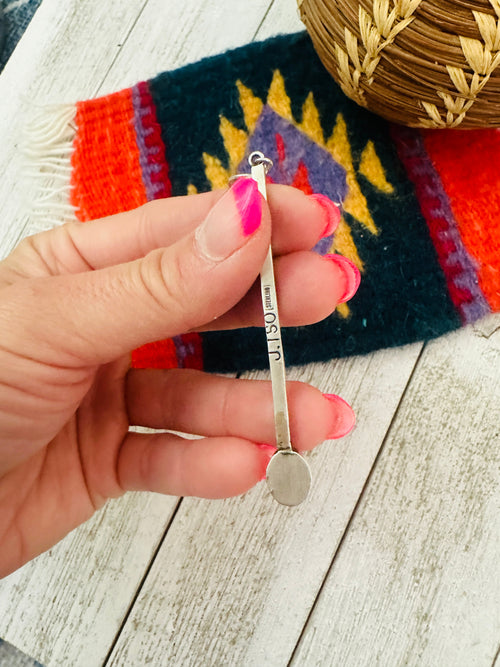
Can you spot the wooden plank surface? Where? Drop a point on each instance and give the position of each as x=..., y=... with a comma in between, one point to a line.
x=171, y=34
x=417, y=579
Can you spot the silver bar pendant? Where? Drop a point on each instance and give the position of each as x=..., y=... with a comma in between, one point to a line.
x=288, y=476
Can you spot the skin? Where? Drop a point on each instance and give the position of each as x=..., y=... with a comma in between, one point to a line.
x=73, y=303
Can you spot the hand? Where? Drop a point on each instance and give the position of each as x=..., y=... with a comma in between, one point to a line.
x=75, y=300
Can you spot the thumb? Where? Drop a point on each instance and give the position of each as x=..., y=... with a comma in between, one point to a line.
x=94, y=317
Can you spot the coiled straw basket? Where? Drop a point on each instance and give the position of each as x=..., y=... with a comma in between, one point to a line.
x=422, y=63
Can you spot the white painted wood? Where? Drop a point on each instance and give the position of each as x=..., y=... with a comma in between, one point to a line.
x=234, y=581
x=416, y=581
x=282, y=17
x=171, y=34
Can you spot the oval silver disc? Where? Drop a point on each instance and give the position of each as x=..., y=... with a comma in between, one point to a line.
x=288, y=477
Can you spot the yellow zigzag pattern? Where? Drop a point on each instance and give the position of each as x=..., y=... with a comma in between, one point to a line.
x=338, y=145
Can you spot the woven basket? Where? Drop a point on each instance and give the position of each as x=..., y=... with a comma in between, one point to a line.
x=422, y=63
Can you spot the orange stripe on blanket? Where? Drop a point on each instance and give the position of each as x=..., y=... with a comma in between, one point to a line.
x=107, y=176
x=468, y=168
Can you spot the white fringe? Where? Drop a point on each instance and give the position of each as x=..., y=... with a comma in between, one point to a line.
x=47, y=148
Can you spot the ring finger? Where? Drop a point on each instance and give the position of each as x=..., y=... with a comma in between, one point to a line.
x=193, y=402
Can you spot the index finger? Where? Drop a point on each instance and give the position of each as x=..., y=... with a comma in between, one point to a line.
x=298, y=224
x=299, y=221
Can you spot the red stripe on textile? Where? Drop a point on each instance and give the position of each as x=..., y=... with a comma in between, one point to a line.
x=161, y=354
x=468, y=167
x=154, y=144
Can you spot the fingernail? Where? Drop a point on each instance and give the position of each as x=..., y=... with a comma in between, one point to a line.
x=236, y=216
x=331, y=211
x=249, y=204
x=269, y=451
x=344, y=416
x=351, y=274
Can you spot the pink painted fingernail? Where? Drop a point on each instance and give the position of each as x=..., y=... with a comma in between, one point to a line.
x=351, y=274
x=233, y=219
x=331, y=211
x=344, y=416
x=249, y=204
x=269, y=451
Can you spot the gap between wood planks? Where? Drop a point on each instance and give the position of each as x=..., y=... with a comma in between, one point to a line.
x=141, y=583
x=113, y=60
x=146, y=575
x=263, y=20
x=496, y=660
x=357, y=505
x=345, y=532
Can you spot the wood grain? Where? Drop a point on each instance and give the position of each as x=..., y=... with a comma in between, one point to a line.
x=171, y=34
x=416, y=581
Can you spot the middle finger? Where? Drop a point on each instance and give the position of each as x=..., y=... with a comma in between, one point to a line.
x=309, y=288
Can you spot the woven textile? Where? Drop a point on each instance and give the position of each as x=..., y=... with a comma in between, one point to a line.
x=421, y=209
x=16, y=16
x=11, y=657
